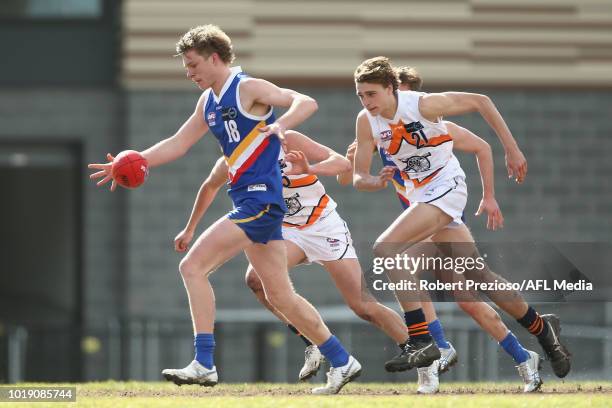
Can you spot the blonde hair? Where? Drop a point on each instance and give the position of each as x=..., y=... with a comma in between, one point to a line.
x=377, y=70
x=206, y=40
x=409, y=76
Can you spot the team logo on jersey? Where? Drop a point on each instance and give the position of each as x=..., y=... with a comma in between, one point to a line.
x=417, y=164
x=211, y=118
x=293, y=204
x=229, y=113
x=413, y=127
x=385, y=135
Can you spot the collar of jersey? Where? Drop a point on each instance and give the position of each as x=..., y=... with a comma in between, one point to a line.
x=233, y=72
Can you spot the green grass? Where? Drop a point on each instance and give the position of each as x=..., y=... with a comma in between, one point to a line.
x=113, y=394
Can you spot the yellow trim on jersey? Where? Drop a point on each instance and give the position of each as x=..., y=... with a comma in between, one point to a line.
x=398, y=186
x=253, y=218
x=246, y=142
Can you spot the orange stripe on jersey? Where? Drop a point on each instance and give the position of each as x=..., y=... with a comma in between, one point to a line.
x=421, y=183
x=314, y=215
x=400, y=134
x=244, y=143
x=302, y=181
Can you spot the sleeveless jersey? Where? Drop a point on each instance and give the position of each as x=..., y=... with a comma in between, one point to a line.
x=251, y=157
x=305, y=198
x=421, y=149
x=397, y=180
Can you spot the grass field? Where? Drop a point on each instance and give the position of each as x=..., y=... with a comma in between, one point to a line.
x=156, y=394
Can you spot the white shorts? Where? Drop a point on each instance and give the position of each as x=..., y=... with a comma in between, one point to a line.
x=448, y=194
x=328, y=239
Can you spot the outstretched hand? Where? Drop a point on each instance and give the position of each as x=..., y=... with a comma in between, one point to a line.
x=495, y=219
x=350, y=152
x=299, y=163
x=104, y=172
x=516, y=163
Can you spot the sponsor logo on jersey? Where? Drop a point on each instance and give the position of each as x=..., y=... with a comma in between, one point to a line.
x=211, y=118
x=386, y=135
x=333, y=243
x=257, y=187
x=229, y=113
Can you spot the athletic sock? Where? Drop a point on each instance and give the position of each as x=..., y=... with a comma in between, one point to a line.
x=296, y=331
x=512, y=346
x=204, y=348
x=437, y=332
x=334, y=352
x=534, y=323
x=417, y=325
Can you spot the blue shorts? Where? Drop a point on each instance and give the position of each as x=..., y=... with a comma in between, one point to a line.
x=261, y=222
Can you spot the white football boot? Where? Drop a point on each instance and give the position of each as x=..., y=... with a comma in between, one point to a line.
x=529, y=371
x=448, y=358
x=194, y=373
x=312, y=362
x=429, y=382
x=338, y=377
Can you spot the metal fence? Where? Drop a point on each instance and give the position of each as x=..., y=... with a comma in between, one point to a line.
x=252, y=346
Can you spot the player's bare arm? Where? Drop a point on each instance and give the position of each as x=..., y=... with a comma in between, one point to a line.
x=363, y=180
x=162, y=152
x=206, y=195
x=436, y=105
x=178, y=144
x=257, y=95
x=465, y=140
x=303, y=151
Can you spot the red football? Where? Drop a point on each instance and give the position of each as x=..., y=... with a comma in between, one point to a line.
x=130, y=169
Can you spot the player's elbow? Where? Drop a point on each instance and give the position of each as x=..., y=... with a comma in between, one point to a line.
x=482, y=101
x=310, y=104
x=359, y=183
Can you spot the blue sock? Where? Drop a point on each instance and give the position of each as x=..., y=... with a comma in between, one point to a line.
x=204, y=348
x=512, y=346
x=437, y=332
x=334, y=352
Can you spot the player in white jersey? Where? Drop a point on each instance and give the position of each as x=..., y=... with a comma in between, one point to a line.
x=408, y=125
x=313, y=232
x=482, y=313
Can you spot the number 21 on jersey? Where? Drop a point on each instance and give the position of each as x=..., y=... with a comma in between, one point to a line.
x=232, y=131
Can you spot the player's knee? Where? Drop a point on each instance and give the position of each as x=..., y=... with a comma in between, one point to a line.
x=382, y=250
x=188, y=268
x=468, y=307
x=362, y=309
x=253, y=281
x=281, y=300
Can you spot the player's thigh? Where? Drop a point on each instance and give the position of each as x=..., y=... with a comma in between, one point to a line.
x=295, y=256
x=415, y=224
x=220, y=242
x=347, y=276
x=455, y=234
x=270, y=262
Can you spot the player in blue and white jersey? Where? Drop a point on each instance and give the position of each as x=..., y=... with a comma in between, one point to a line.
x=238, y=110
